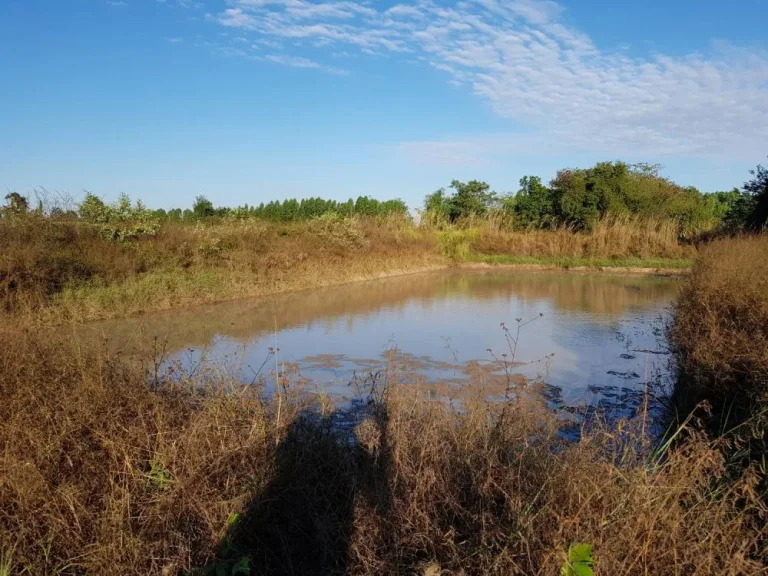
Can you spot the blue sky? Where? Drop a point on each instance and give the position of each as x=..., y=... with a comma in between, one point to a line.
x=252, y=100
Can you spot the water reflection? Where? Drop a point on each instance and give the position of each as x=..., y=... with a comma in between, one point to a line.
x=594, y=338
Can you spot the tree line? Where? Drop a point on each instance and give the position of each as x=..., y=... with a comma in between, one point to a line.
x=94, y=209
x=292, y=209
x=579, y=198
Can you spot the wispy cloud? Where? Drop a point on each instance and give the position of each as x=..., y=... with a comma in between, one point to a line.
x=300, y=62
x=191, y=4
x=520, y=57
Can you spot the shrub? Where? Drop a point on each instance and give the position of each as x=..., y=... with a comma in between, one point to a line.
x=119, y=222
x=470, y=199
x=338, y=231
x=456, y=244
x=534, y=205
x=757, y=202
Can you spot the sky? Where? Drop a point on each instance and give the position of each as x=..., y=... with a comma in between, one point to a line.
x=246, y=101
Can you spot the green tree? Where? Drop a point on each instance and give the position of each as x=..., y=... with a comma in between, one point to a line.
x=577, y=198
x=436, y=205
x=721, y=202
x=533, y=205
x=757, y=188
x=473, y=198
x=203, y=208
x=122, y=208
x=93, y=209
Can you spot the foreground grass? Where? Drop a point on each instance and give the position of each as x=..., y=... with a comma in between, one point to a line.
x=720, y=336
x=102, y=473
x=721, y=327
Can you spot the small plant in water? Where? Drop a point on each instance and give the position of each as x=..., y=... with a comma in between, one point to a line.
x=579, y=562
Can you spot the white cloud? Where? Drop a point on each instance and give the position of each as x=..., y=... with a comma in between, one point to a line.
x=403, y=10
x=299, y=62
x=533, y=69
x=294, y=61
x=183, y=3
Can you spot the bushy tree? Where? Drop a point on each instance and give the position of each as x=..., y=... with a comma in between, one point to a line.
x=436, y=206
x=473, y=198
x=581, y=197
x=120, y=221
x=533, y=205
x=721, y=202
x=757, y=188
x=203, y=208
x=93, y=209
x=584, y=196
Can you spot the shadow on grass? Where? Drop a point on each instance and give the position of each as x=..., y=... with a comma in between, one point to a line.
x=302, y=522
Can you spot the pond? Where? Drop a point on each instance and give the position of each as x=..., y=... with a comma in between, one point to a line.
x=590, y=340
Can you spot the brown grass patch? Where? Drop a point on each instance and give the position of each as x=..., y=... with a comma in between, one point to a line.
x=57, y=270
x=101, y=474
x=721, y=320
x=611, y=238
x=54, y=270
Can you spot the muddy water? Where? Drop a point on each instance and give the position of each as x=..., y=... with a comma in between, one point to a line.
x=590, y=339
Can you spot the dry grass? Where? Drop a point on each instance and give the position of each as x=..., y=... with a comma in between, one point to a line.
x=611, y=238
x=478, y=493
x=720, y=336
x=67, y=270
x=721, y=320
x=99, y=474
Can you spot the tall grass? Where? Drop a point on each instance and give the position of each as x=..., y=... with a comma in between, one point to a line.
x=611, y=238
x=102, y=474
x=720, y=336
x=721, y=319
x=68, y=269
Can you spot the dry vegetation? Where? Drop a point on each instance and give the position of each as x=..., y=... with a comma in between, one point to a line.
x=612, y=238
x=68, y=269
x=101, y=474
x=721, y=325
x=720, y=335
x=65, y=269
